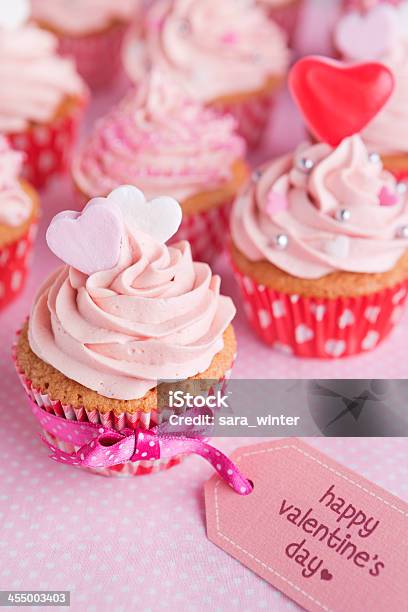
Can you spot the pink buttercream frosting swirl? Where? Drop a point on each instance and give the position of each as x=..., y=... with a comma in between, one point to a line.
x=78, y=17
x=15, y=204
x=35, y=79
x=155, y=315
x=319, y=242
x=162, y=142
x=214, y=48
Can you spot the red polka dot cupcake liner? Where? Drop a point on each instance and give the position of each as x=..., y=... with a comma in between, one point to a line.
x=144, y=420
x=321, y=328
x=14, y=266
x=97, y=56
x=47, y=148
x=252, y=116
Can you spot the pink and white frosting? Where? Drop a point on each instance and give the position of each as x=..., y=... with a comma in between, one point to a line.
x=155, y=315
x=305, y=206
x=34, y=78
x=15, y=204
x=162, y=142
x=78, y=17
x=213, y=48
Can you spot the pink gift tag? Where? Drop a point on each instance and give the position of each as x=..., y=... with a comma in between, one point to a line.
x=320, y=533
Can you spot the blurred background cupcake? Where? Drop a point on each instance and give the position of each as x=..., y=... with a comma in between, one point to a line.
x=90, y=31
x=286, y=13
x=168, y=144
x=41, y=97
x=380, y=33
x=125, y=312
x=227, y=54
x=19, y=211
x=320, y=250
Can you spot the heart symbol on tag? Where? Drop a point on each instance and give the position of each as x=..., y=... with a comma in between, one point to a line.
x=367, y=36
x=338, y=247
x=89, y=242
x=160, y=218
x=325, y=574
x=338, y=100
x=275, y=203
x=387, y=197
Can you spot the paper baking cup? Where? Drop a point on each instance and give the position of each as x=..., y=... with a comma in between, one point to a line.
x=111, y=420
x=252, y=116
x=287, y=16
x=323, y=328
x=207, y=232
x=97, y=56
x=14, y=266
x=47, y=148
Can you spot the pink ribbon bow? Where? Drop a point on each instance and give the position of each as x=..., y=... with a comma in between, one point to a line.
x=102, y=447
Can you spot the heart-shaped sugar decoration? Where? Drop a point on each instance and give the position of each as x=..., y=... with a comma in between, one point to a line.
x=275, y=203
x=160, y=218
x=387, y=197
x=336, y=99
x=89, y=242
x=338, y=247
x=14, y=13
x=367, y=36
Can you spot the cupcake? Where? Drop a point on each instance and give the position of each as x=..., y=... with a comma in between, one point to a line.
x=19, y=209
x=41, y=99
x=227, y=54
x=286, y=13
x=164, y=143
x=90, y=31
x=123, y=313
x=376, y=34
x=320, y=250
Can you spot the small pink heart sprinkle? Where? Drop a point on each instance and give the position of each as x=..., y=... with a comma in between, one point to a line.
x=387, y=197
x=230, y=38
x=276, y=202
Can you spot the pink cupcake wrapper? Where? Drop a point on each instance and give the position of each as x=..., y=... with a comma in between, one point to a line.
x=251, y=115
x=97, y=56
x=323, y=328
x=15, y=262
x=111, y=420
x=47, y=148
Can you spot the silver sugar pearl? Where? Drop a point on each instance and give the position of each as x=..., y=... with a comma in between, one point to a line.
x=374, y=158
x=281, y=241
x=401, y=188
x=403, y=231
x=343, y=215
x=305, y=164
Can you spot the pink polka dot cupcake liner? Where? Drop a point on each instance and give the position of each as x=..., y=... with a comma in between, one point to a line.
x=252, y=116
x=14, y=266
x=47, y=148
x=287, y=16
x=97, y=56
x=144, y=420
x=321, y=328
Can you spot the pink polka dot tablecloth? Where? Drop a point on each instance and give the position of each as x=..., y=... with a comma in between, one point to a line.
x=140, y=543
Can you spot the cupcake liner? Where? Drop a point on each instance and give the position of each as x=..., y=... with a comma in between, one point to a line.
x=206, y=232
x=111, y=420
x=251, y=115
x=98, y=55
x=47, y=147
x=14, y=266
x=323, y=328
x=287, y=16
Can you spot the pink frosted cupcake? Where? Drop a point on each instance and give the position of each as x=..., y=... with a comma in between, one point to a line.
x=227, y=54
x=320, y=250
x=284, y=12
x=91, y=31
x=41, y=100
x=126, y=312
x=165, y=143
x=19, y=211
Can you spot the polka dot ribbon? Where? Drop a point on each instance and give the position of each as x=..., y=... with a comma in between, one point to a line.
x=101, y=447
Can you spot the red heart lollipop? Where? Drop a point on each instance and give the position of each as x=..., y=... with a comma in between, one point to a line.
x=337, y=99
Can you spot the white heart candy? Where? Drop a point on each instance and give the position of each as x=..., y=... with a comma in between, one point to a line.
x=159, y=218
x=14, y=13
